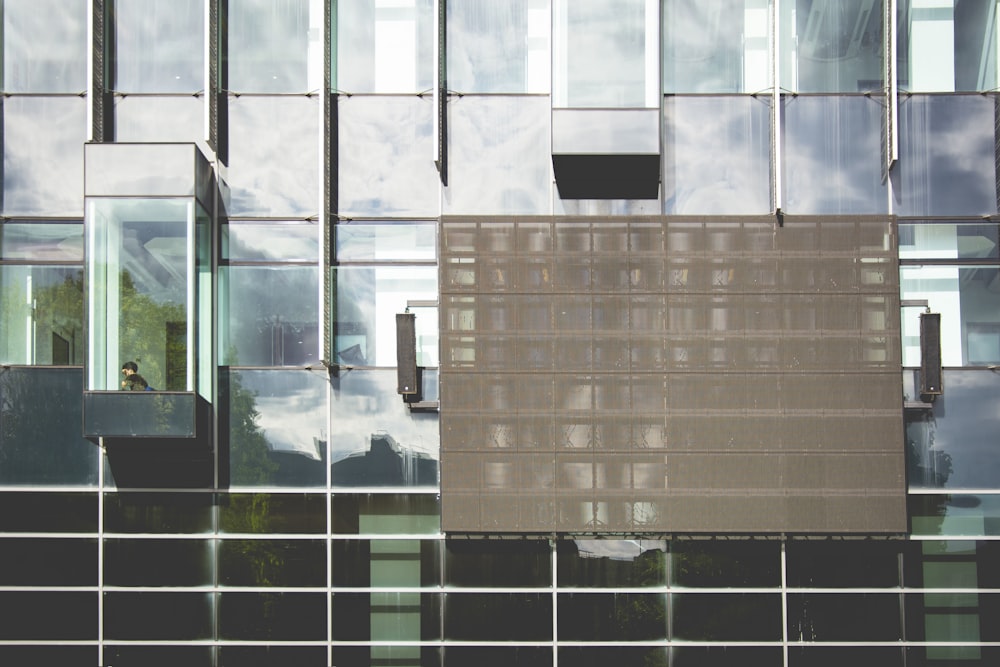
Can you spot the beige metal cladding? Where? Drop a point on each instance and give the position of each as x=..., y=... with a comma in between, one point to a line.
x=664, y=375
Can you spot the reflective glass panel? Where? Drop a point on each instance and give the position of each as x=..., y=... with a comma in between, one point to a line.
x=271, y=242
x=407, y=563
x=831, y=46
x=613, y=617
x=158, y=513
x=43, y=140
x=275, y=46
x=947, y=240
x=716, y=155
x=48, y=615
x=158, y=46
x=844, y=617
x=274, y=154
x=499, y=159
x=45, y=46
x=396, y=241
x=35, y=448
x=174, y=616
x=497, y=563
x=42, y=313
x=605, y=54
x=724, y=563
x=261, y=563
x=498, y=47
x=385, y=148
x=473, y=617
x=270, y=315
x=272, y=616
x=48, y=562
x=166, y=562
x=49, y=241
x=716, y=47
x=34, y=512
x=832, y=149
x=612, y=563
x=375, y=439
x=947, y=45
x=368, y=299
x=946, y=157
x=386, y=514
x=884, y=656
x=148, y=118
x=263, y=513
x=158, y=654
x=953, y=445
x=385, y=46
x=726, y=616
x=277, y=427
x=843, y=563
x=141, y=283
x=966, y=298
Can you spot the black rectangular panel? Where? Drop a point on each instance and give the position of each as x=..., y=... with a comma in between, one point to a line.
x=406, y=354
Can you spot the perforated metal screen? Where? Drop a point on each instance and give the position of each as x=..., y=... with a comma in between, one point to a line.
x=670, y=376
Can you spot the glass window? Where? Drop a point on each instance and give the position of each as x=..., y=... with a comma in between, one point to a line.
x=408, y=563
x=138, y=654
x=157, y=118
x=473, y=617
x=42, y=311
x=272, y=616
x=955, y=515
x=35, y=448
x=884, y=656
x=263, y=513
x=611, y=563
x=158, y=513
x=141, y=285
x=843, y=563
x=274, y=156
x=48, y=241
x=946, y=157
x=270, y=315
x=947, y=45
x=831, y=46
x=159, y=46
x=386, y=514
x=860, y=617
x=716, y=156
x=500, y=158
x=22, y=512
x=48, y=562
x=242, y=241
x=719, y=563
x=497, y=563
x=832, y=149
x=612, y=617
x=375, y=440
x=174, y=616
x=385, y=46
x=261, y=563
x=275, y=46
x=605, y=54
x=48, y=615
x=726, y=616
x=142, y=562
x=388, y=242
x=43, y=140
x=272, y=443
x=951, y=445
x=367, y=301
x=947, y=240
x=716, y=47
x=385, y=166
x=498, y=47
x=45, y=46
x=966, y=298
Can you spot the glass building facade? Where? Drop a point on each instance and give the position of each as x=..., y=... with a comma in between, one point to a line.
x=654, y=249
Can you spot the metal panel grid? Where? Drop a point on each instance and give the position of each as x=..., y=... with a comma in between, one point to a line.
x=655, y=374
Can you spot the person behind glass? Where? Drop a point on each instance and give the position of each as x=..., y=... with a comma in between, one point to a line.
x=133, y=381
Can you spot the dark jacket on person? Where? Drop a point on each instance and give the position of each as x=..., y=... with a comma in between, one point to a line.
x=136, y=382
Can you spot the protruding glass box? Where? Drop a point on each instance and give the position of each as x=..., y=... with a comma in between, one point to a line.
x=149, y=289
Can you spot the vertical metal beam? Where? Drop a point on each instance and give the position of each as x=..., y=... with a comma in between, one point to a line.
x=890, y=134
x=441, y=90
x=776, y=182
